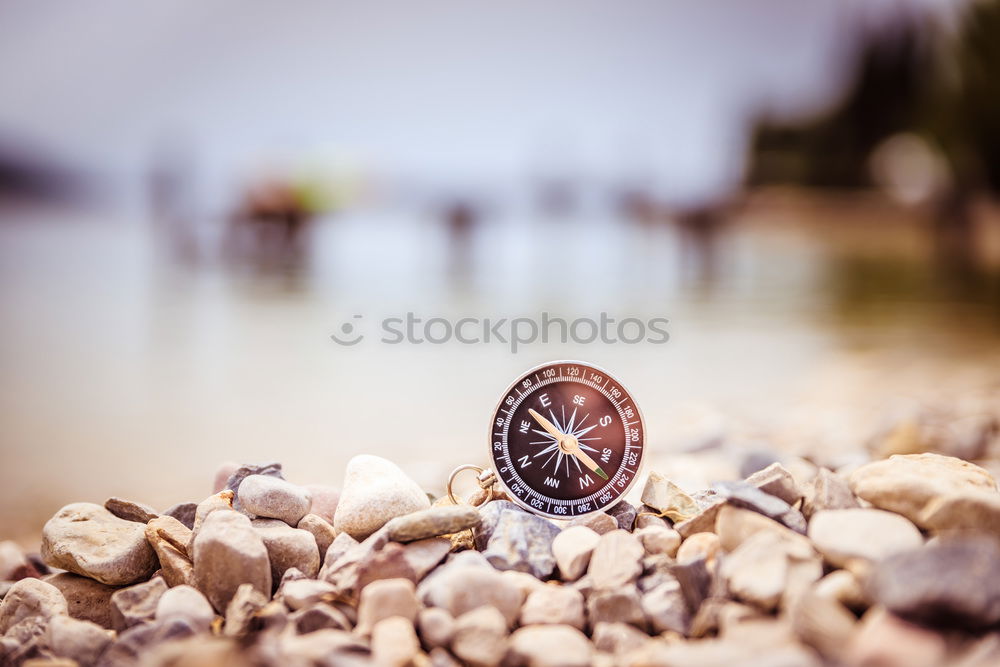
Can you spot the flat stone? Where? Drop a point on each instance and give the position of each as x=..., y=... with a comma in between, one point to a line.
x=229, y=552
x=129, y=510
x=622, y=604
x=480, y=637
x=321, y=529
x=423, y=555
x=273, y=498
x=436, y=627
x=666, y=609
x=394, y=642
x=572, y=549
x=169, y=539
x=828, y=491
x=77, y=640
x=288, y=547
x=389, y=562
x=668, y=499
x=549, y=646
x=702, y=522
x=561, y=605
x=30, y=597
x=616, y=561
x=695, y=580
x=867, y=534
x=489, y=516
x=741, y=494
x=183, y=512
x=659, y=540
x=522, y=542
x=461, y=585
x=384, y=598
x=136, y=604
x=734, y=526
x=186, y=602
x=246, y=602
x=433, y=522
x=87, y=539
x=375, y=491
x=599, y=522
x=699, y=546
x=777, y=481
x=236, y=478
x=301, y=593
x=953, y=581
x=324, y=500
x=623, y=513
x=935, y=492
x=87, y=600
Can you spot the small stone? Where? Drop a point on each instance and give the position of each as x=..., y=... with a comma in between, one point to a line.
x=461, y=585
x=440, y=657
x=702, y=522
x=561, y=605
x=222, y=475
x=953, y=581
x=247, y=469
x=759, y=570
x=375, y=491
x=616, y=561
x=436, y=627
x=778, y=482
x=139, y=640
x=394, y=642
x=88, y=600
x=523, y=542
x=666, y=610
x=527, y=583
x=824, y=624
x=480, y=637
x=489, y=516
x=186, y=602
x=623, y=604
x=223, y=500
x=321, y=616
x=572, y=549
x=617, y=638
x=321, y=529
x=136, y=604
x=698, y=546
x=741, y=494
x=169, y=539
x=324, y=500
x=129, y=510
x=244, y=604
x=300, y=593
x=887, y=641
x=287, y=547
x=183, y=512
x=734, y=526
x=549, y=646
x=78, y=640
x=30, y=597
x=423, y=556
x=389, y=562
x=599, y=522
x=624, y=513
x=844, y=587
x=695, y=580
x=273, y=498
x=341, y=544
x=87, y=539
x=868, y=534
x=229, y=552
x=828, y=491
x=433, y=522
x=384, y=598
x=668, y=499
x=647, y=517
x=659, y=540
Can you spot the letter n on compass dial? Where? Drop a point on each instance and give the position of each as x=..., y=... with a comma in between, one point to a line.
x=567, y=439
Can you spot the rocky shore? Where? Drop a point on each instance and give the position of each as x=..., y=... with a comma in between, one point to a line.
x=892, y=563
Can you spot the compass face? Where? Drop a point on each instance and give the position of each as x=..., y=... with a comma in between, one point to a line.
x=567, y=439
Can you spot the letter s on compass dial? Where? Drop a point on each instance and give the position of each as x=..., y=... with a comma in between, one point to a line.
x=567, y=439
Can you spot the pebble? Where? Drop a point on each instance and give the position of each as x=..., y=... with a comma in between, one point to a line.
x=129, y=510
x=229, y=552
x=522, y=542
x=622, y=604
x=300, y=593
x=757, y=570
x=186, y=602
x=646, y=517
x=828, y=491
x=617, y=638
x=321, y=529
x=734, y=526
x=933, y=491
x=954, y=581
x=223, y=500
x=436, y=627
x=887, y=641
x=776, y=481
x=825, y=624
x=480, y=637
x=394, y=642
x=81, y=641
x=741, y=494
x=561, y=605
x=572, y=549
x=659, y=540
x=236, y=478
x=433, y=522
x=183, y=512
x=273, y=498
x=668, y=499
x=88, y=600
x=549, y=646
x=87, y=539
x=869, y=534
x=844, y=587
x=616, y=560
x=288, y=547
x=624, y=514
x=489, y=516
x=136, y=604
x=461, y=585
x=246, y=602
x=423, y=556
x=703, y=521
x=666, y=609
x=384, y=598
x=169, y=539
x=28, y=598
x=375, y=491
x=698, y=546
x=599, y=522
x=320, y=616
x=324, y=500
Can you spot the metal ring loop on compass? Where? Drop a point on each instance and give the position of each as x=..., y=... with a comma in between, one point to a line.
x=484, y=476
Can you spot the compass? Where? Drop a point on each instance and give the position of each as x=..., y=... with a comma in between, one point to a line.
x=567, y=439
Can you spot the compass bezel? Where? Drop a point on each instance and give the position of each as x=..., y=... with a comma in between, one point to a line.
x=640, y=469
